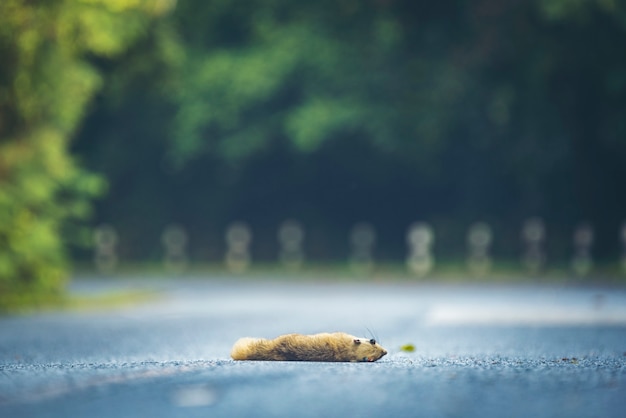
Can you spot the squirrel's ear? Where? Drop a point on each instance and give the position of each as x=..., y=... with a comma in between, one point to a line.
x=357, y=341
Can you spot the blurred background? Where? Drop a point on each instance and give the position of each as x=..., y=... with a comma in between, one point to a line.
x=467, y=136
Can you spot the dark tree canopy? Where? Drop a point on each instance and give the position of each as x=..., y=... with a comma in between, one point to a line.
x=386, y=111
x=331, y=112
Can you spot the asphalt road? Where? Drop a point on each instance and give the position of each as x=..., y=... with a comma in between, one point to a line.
x=480, y=351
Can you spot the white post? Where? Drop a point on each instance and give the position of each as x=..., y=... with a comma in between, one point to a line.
x=420, y=239
x=534, y=235
x=105, y=253
x=174, y=240
x=479, y=237
x=362, y=241
x=291, y=238
x=583, y=240
x=238, y=239
x=623, y=238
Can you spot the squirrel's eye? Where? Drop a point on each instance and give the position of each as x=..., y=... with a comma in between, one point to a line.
x=372, y=341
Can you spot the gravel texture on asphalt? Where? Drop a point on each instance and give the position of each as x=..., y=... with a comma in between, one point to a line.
x=480, y=351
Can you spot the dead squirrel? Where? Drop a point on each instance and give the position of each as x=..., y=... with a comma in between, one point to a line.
x=337, y=346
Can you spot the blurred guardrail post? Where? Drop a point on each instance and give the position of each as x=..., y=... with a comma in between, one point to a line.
x=291, y=238
x=583, y=240
x=623, y=239
x=362, y=242
x=420, y=238
x=105, y=252
x=238, y=240
x=174, y=240
x=479, y=237
x=534, y=235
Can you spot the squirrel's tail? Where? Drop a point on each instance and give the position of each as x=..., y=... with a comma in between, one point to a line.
x=244, y=348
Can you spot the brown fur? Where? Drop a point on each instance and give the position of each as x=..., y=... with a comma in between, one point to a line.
x=337, y=346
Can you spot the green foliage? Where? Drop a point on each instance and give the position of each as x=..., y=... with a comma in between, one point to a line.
x=41, y=189
x=286, y=77
x=310, y=75
x=46, y=83
x=338, y=111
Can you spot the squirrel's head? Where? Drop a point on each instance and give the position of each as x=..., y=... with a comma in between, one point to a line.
x=368, y=349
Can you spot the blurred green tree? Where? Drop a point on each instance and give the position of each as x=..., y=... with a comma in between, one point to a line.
x=46, y=83
x=385, y=110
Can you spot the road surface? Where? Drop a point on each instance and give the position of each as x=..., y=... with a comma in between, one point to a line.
x=480, y=351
